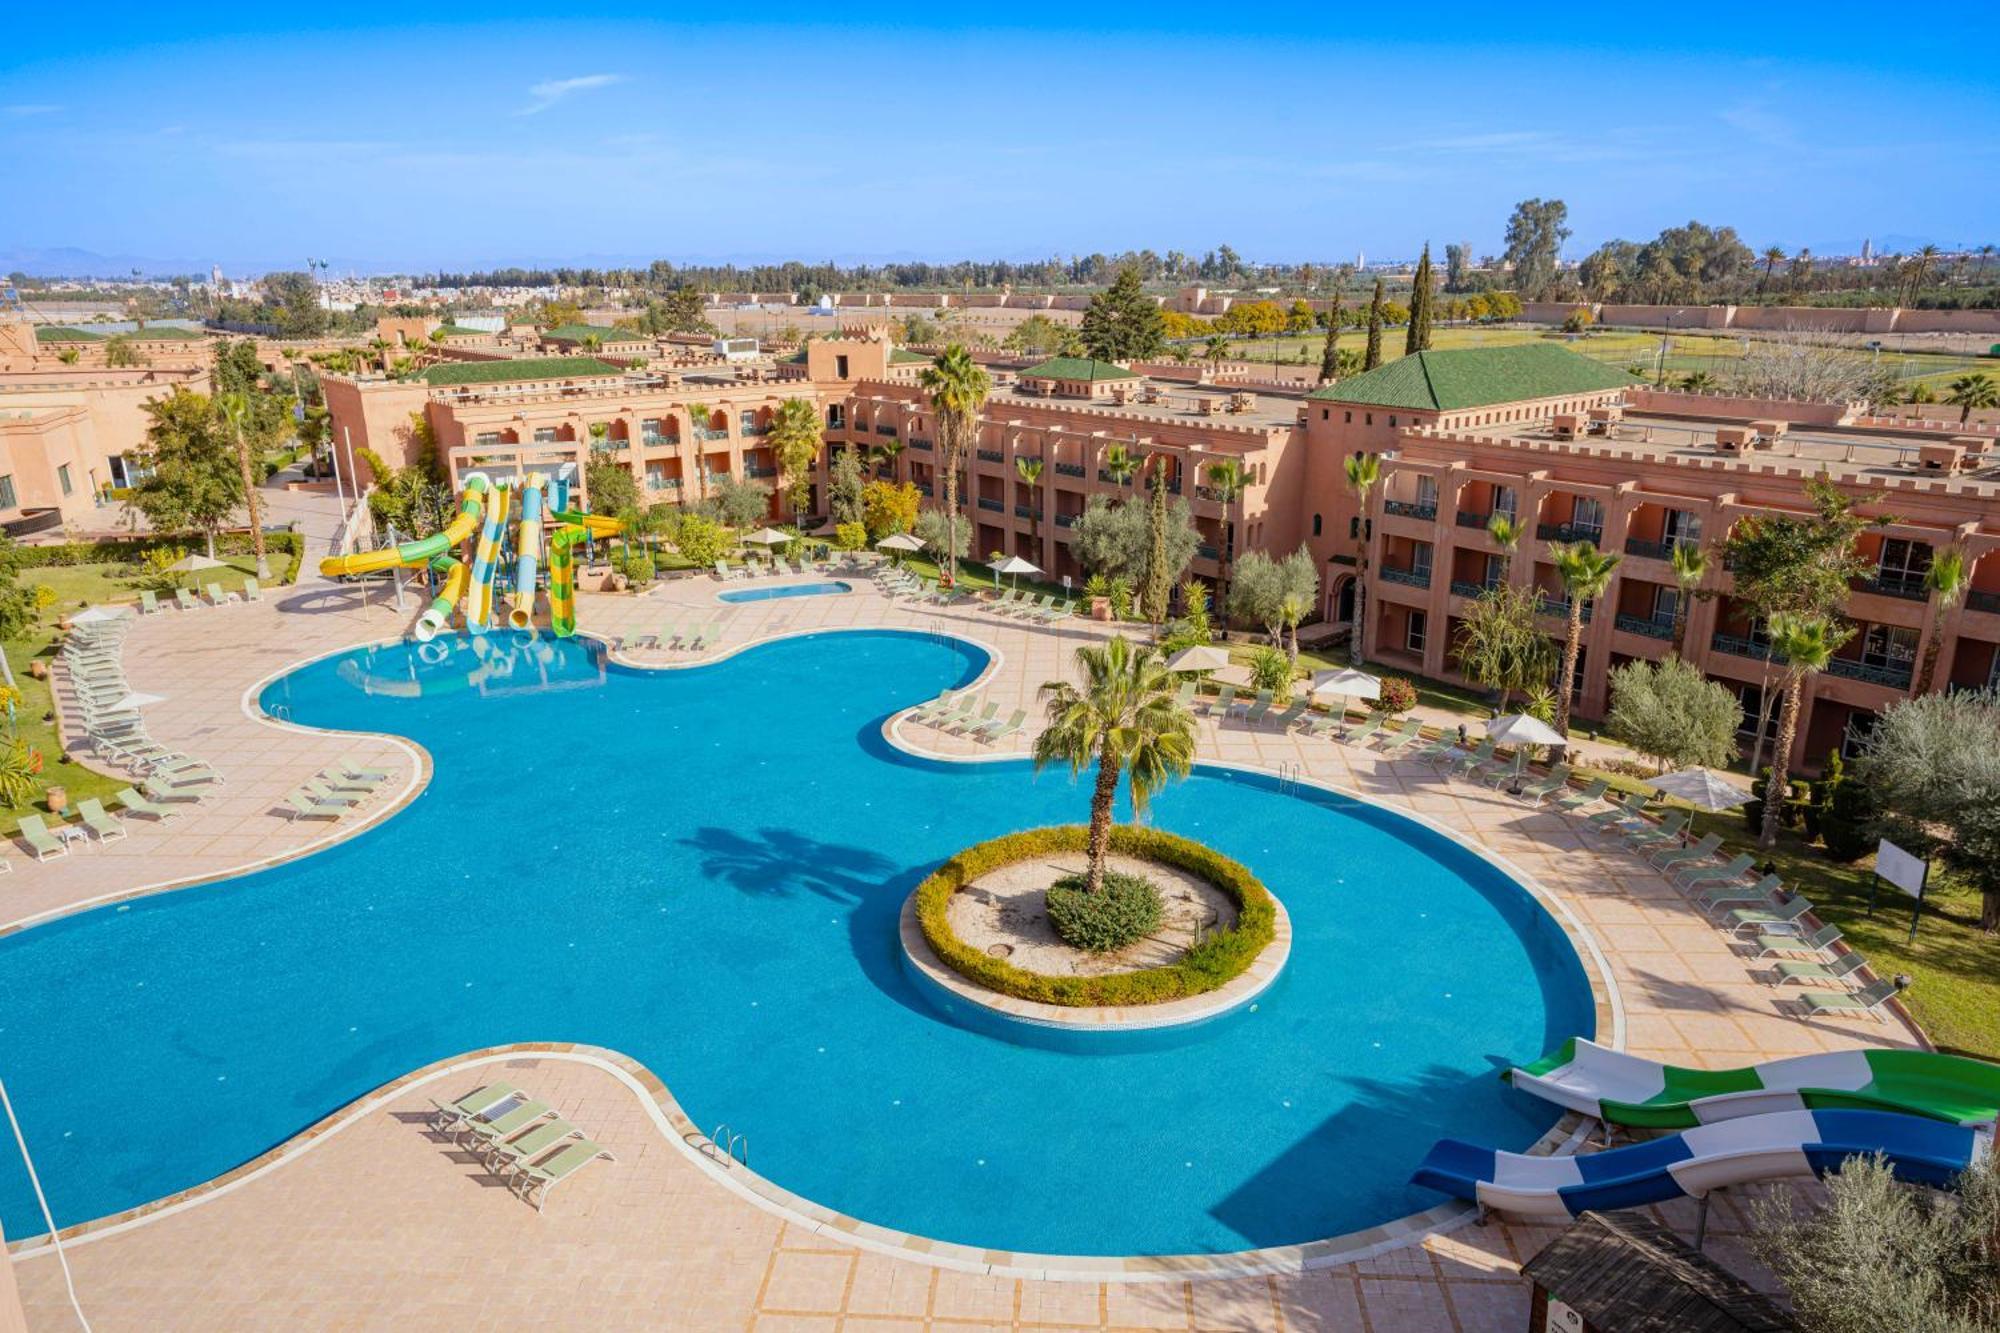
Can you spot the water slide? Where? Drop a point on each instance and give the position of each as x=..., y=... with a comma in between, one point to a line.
x=415, y=554
x=1625, y=1089
x=573, y=527
x=528, y=552
x=486, y=558
x=1695, y=1161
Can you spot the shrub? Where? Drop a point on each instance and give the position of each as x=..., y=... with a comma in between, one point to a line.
x=1121, y=597
x=1398, y=696
x=1271, y=670
x=700, y=540
x=638, y=567
x=1219, y=957
x=1127, y=909
x=850, y=536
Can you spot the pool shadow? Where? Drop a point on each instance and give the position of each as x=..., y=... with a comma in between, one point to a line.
x=775, y=862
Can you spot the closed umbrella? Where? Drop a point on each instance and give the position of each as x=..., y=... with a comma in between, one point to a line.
x=1346, y=684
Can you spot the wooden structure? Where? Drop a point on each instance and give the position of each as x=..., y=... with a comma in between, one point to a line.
x=1622, y=1272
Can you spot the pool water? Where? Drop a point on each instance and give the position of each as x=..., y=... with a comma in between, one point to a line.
x=789, y=590
x=703, y=869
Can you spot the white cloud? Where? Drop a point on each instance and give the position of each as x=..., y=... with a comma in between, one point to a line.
x=550, y=91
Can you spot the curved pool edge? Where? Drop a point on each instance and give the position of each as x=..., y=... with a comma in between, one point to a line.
x=674, y=1126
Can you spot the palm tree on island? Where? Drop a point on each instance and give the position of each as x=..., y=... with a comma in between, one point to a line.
x=1124, y=718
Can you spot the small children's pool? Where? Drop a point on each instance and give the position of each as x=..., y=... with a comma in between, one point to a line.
x=789, y=590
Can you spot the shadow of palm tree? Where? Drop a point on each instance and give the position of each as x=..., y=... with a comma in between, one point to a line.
x=781, y=862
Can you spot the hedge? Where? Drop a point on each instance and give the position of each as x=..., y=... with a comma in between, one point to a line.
x=1218, y=959
x=128, y=550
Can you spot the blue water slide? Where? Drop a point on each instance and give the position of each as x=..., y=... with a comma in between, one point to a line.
x=1693, y=1162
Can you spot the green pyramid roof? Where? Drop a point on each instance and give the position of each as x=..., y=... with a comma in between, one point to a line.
x=1447, y=381
x=1078, y=368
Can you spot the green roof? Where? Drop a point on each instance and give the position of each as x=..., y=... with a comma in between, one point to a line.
x=164, y=332
x=900, y=357
x=454, y=331
x=576, y=333
x=1078, y=368
x=62, y=333
x=529, y=368
x=1447, y=381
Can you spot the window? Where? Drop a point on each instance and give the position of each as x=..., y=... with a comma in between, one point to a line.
x=1503, y=500
x=1367, y=418
x=545, y=435
x=1749, y=698
x=1349, y=418
x=836, y=417
x=840, y=367
x=1392, y=421
x=62, y=477
x=1666, y=603
x=1588, y=518
x=486, y=438
x=1904, y=562
x=1854, y=736
x=1889, y=646
x=1315, y=525
x=7, y=500
x=1683, y=528
x=1326, y=414
x=1420, y=559
x=1427, y=491
x=1494, y=566
x=1416, y=631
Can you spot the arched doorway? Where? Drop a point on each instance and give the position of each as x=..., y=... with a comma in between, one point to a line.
x=1340, y=601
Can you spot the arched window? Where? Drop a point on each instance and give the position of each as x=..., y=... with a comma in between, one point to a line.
x=1315, y=525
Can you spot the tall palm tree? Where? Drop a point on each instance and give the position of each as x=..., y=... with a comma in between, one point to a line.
x=1690, y=564
x=1947, y=579
x=1124, y=718
x=1364, y=472
x=1227, y=480
x=1030, y=471
x=795, y=441
x=1972, y=391
x=1216, y=348
x=1585, y=572
x=957, y=386
x=1773, y=256
x=698, y=419
x=236, y=409
x=1806, y=644
x=1506, y=534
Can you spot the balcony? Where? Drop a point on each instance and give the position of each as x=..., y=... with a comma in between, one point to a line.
x=1104, y=474
x=1568, y=532
x=1646, y=550
x=923, y=488
x=1409, y=578
x=1066, y=520
x=1468, y=519
x=611, y=445
x=1210, y=493
x=710, y=433
x=1411, y=509
x=1647, y=625
x=1071, y=470
x=1741, y=647
x=995, y=506
x=1559, y=608
x=1909, y=587
x=751, y=428
x=668, y=484
x=1027, y=512
x=659, y=441
x=1989, y=602
x=1207, y=552
x=1894, y=675
x=755, y=471
x=920, y=444
x=885, y=428
x=992, y=456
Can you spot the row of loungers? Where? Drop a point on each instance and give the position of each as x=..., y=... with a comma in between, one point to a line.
x=214, y=593
x=775, y=568
x=1047, y=609
x=696, y=636
x=334, y=791
x=93, y=656
x=895, y=581
x=962, y=715
x=521, y=1140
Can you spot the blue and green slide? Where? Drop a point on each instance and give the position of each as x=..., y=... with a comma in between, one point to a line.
x=1622, y=1089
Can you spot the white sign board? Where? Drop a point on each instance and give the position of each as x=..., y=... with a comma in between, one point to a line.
x=1898, y=867
x=1561, y=1319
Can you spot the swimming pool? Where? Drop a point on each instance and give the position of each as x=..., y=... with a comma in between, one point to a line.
x=703, y=869
x=822, y=589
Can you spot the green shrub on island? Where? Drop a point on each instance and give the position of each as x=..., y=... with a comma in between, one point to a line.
x=1128, y=909
x=1219, y=958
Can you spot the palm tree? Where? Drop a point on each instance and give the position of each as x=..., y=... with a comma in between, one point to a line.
x=1364, y=471
x=1123, y=718
x=1120, y=464
x=593, y=343
x=1947, y=579
x=795, y=441
x=1697, y=381
x=1227, y=480
x=1506, y=534
x=1690, y=564
x=1216, y=348
x=1805, y=644
x=1585, y=572
x=957, y=386
x=1030, y=471
x=882, y=456
x=1773, y=256
x=236, y=408
x=698, y=419
x=1972, y=391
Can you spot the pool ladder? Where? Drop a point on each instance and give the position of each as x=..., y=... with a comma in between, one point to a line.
x=1291, y=776
x=725, y=1145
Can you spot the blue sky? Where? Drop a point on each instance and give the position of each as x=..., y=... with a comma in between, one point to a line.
x=425, y=137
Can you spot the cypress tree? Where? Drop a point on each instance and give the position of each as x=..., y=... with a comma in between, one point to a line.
x=1419, y=338
x=1374, y=355
x=1156, y=596
x=1329, y=356
x=1122, y=323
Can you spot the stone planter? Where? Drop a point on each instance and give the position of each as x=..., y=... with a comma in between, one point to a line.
x=1100, y=608
x=57, y=798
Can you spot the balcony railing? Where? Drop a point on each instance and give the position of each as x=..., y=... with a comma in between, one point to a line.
x=1071, y=470
x=922, y=445
x=923, y=487
x=1208, y=552
x=1210, y=493
x=755, y=471
x=997, y=506
x=1468, y=519
x=1410, y=509
x=1737, y=646
x=1988, y=602
x=992, y=456
x=1568, y=532
x=1066, y=520
x=1909, y=587
x=885, y=428
x=1648, y=626
x=1412, y=578
x=1104, y=474
x=659, y=441
x=1027, y=511
x=611, y=445
x=1461, y=588
x=663, y=483
x=1559, y=607
x=752, y=428
x=1650, y=550
x=710, y=433
x=1894, y=675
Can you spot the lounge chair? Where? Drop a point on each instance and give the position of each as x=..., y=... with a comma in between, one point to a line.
x=700, y=639
x=1184, y=696
x=1805, y=969
x=472, y=1104
x=1668, y=830
x=185, y=600
x=1411, y=732
x=1323, y=724
x=1224, y=700
x=479, y=1132
x=1481, y=755
x=1443, y=747
x=722, y=571
x=1820, y=942
x=1764, y=892
x=959, y=710
x=969, y=723
x=1005, y=601
x=253, y=591
x=1511, y=771
x=303, y=804
x=546, y=1174
x=1868, y=1000
x=1667, y=858
x=1056, y=613
x=1614, y=813
x=325, y=792
x=1366, y=731
x=1542, y=788
x=160, y=790
x=40, y=841
x=1284, y=720
x=1254, y=712
x=1576, y=800
x=139, y=805
x=993, y=731
x=1789, y=912
x=148, y=603
x=360, y=772
x=923, y=711
x=218, y=596
x=98, y=821
x=506, y=1154
x=1696, y=877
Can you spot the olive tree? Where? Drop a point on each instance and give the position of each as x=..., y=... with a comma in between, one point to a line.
x=1933, y=765
x=1672, y=714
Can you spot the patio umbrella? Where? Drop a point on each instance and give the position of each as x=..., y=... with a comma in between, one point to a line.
x=767, y=537
x=1201, y=658
x=899, y=541
x=1016, y=566
x=136, y=700
x=1348, y=684
x=1521, y=729
x=1700, y=788
x=96, y=615
x=191, y=564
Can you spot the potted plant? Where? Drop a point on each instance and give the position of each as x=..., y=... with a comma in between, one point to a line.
x=1098, y=590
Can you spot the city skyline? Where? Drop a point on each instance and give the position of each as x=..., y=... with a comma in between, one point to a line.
x=611, y=140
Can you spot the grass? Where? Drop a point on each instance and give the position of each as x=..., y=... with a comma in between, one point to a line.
x=111, y=584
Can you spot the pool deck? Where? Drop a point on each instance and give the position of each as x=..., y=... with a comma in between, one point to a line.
x=370, y=1222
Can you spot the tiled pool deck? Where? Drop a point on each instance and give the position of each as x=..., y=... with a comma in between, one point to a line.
x=370, y=1222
